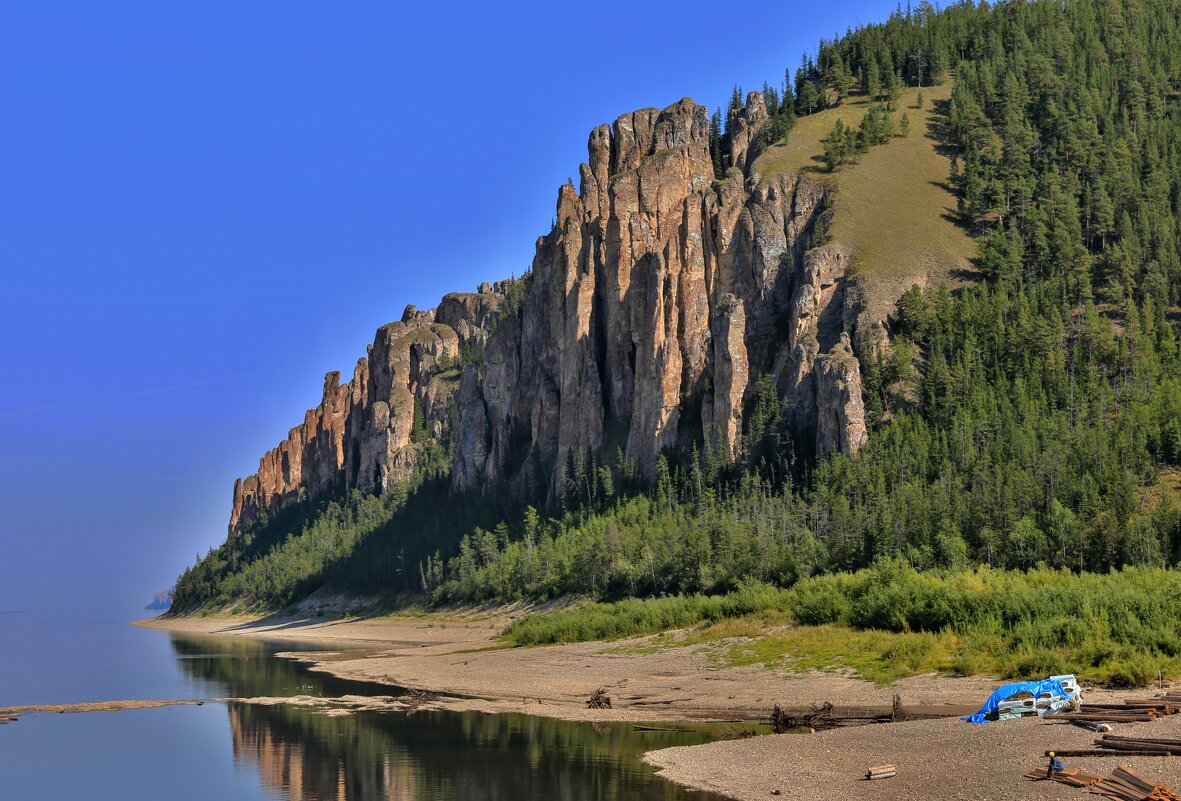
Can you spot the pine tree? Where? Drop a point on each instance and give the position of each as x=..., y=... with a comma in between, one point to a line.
x=807, y=97
x=715, y=144
x=873, y=80
x=893, y=90
x=836, y=146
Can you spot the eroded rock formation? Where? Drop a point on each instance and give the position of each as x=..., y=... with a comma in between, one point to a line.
x=653, y=304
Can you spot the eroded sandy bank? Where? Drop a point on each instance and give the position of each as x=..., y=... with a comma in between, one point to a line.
x=461, y=659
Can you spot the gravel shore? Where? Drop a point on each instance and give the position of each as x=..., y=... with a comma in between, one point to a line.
x=936, y=759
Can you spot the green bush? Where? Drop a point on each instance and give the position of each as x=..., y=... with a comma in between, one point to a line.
x=631, y=617
x=1121, y=627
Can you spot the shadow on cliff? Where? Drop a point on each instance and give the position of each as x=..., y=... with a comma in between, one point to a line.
x=395, y=554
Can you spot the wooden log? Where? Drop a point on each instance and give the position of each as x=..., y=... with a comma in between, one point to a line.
x=1108, y=753
x=1120, y=745
x=1119, y=707
x=1141, y=739
x=1133, y=748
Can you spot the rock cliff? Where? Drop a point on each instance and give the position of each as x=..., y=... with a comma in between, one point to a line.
x=653, y=304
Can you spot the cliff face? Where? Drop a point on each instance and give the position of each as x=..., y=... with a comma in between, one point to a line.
x=656, y=300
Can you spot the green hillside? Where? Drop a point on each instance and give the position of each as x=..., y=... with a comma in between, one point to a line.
x=895, y=211
x=1026, y=417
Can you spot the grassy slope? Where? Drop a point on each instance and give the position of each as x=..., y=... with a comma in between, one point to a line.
x=893, y=208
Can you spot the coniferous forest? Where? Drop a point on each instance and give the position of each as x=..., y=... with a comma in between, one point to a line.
x=1028, y=418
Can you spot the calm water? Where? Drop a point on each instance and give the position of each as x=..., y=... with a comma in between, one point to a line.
x=235, y=751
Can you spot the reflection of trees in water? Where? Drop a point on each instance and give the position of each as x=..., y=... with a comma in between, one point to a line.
x=444, y=755
x=243, y=668
x=308, y=756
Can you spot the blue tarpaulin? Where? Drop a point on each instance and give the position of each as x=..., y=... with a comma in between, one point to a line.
x=1036, y=688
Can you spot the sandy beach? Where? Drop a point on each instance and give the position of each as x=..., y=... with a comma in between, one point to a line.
x=460, y=659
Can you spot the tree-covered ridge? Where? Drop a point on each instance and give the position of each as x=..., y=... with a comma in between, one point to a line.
x=1017, y=420
x=1021, y=417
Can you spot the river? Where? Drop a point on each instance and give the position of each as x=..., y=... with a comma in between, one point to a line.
x=230, y=750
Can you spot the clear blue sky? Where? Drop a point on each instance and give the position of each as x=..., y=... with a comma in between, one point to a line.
x=204, y=206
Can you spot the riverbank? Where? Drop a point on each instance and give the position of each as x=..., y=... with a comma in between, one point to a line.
x=460, y=659
x=945, y=759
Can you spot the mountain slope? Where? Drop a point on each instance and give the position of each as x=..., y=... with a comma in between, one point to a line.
x=715, y=374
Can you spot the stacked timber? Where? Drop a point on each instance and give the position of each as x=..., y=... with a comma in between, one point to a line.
x=1075, y=778
x=1132, y=710
x=1124, y=784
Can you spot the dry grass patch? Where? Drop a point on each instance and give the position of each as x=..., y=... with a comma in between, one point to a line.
x=894, y=209
x=1167, y=489
x=882, y=657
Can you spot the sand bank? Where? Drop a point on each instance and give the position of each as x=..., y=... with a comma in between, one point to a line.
x=92, y=706
x=461, y=659
x=460, y=662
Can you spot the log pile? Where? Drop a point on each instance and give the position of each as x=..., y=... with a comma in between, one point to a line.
x=1127, y=785
x=1124, y=784
x=1138, y=744
x=1118, y=745
x=1132, y=710
x=1075, y=778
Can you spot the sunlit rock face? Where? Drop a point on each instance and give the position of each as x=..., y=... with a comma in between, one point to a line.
x=654, y=303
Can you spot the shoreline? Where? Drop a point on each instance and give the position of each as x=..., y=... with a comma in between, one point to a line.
x=9, y=714
x=457, y=659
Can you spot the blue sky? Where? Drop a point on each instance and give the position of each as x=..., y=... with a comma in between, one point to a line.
x=205, y=206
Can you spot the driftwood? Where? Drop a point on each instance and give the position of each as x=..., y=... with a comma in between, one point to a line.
x=415, y=699
x=824, y=716
x=818, y=717
x=599, y=699
x=897, y=713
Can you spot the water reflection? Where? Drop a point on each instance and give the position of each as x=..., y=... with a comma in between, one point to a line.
x=302, y=755
x=245, y=668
